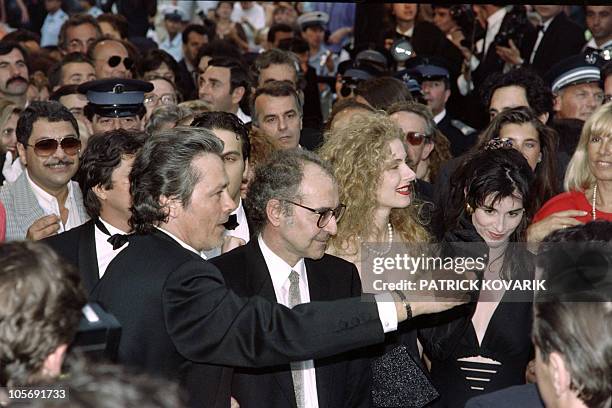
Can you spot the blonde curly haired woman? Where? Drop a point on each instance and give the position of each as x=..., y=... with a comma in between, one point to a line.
x=369, y=161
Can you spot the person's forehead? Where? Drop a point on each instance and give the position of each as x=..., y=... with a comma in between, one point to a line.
x=512, y=95
x=42, y=129
x=81, y=30
x=161, y=85
x=586, y=87
x=519, y=131
x=77, y=68
x=268, y=104
x=12, y=56
x=231, y=141
x=72, y=100
x=409, y=119
x=194, y=36
x=212, y=172
x=317, y=187
x=219, y=73
x=108, y=47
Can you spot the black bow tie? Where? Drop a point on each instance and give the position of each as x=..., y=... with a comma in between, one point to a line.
x=232, y=222
x=541, y=28
x=116, y=240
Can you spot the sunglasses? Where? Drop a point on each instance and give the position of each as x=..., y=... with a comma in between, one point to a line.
x=115, y=60
x=416, y=138
x=46, y=147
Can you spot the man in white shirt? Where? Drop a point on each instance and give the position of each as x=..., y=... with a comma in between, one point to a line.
x=223, y=85
x=235, y=137
x=104, y=181
x=599, y=23
x=177, y=316
x=173, y=42
x=43, y=200
x=49, y=32
x=288, y=258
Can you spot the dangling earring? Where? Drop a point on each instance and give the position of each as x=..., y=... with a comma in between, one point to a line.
x=469, y=209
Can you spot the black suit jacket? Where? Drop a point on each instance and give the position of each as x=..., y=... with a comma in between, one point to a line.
x=460, y=143
x=185, y=82
x=562, y=39
x=342, y=380
x=179, y=318
x=78, y=247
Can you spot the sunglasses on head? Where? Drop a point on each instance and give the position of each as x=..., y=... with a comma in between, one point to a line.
x=115, y=60
x=46, y=147
x=416, y=138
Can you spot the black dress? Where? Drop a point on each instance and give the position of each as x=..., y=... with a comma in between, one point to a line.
x=507, y=340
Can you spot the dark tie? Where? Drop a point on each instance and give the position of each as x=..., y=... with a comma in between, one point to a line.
x=541, y=28
x=232, y=222
x=116, y=240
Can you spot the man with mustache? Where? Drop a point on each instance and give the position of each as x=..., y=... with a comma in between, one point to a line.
x=43, y=200
x=290, y=245
x=13, y=73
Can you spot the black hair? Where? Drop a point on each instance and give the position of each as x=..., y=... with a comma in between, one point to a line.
x=55, y=72
x=194, y=28
x=539, y=96
x=239, y=73
x=153, y=59
x=218, y=48
x=51, y=111
x=101, y=157
x=278, y=28
x=7, y=46
x=225, y=121
x=64, y=91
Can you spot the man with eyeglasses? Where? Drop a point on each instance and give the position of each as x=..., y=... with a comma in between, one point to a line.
x=295, y=206
x=43, y=200
x=111, y=59
x=115, y=103
x=178, y=317
x=576, y=85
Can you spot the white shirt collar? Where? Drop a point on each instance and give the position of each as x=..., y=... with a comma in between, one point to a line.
x=242, y=230
x=279, y=269
x=496, y=18
x=45, y=199
x=111, y=228
x=182, y=243
x=593, y=44
x=408, y=33
x=438, y=118
x=546, y=24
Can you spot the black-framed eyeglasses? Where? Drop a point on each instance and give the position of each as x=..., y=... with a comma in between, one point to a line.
x=46, y=147
x=325, y=215
x=416, y=138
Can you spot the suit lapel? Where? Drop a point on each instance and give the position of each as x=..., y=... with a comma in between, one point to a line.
x=88, y=258
x=258, y=277
x=26, y=204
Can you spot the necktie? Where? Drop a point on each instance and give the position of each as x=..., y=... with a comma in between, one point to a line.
x=296, y=372
x=232, y=222
x=116, y=240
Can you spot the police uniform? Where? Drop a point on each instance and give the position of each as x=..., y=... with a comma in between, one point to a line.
x=460, y=135
x=575, y=70
x=115, y=97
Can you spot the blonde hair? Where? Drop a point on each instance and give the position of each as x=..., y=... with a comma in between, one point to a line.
x=578, y=176
x=7, y=108
x=358, y=154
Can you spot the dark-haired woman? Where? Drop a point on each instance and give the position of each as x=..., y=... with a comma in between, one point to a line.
x=485, y=345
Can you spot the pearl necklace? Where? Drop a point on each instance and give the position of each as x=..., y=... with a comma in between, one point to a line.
x=593, y=213
x=375, y=251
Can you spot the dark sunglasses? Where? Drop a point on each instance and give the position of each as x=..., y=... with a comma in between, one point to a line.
x=416, y=138
x=46, y=147
x=115, y=60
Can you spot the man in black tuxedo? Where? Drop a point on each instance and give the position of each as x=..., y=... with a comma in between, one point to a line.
x=103, y=178
x=194, y=37
x=557, y=38
x=294, y=242
x=177, y=315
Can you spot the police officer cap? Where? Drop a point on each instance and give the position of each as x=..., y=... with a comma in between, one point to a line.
x=577, y=69
x=174, y=14
x=116, y=97
x=427, y=68
x=313, y=19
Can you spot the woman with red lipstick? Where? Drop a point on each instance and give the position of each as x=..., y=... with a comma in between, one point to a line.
x=369, y=159
x=486, y=345
x=588, y=180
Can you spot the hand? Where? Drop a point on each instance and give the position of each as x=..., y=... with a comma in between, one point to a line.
x=530, y=373
x=234, y=403
x=230, y=243
x=562, y=219
x=329, y=63
x=43, y=227
x=419, y=308
x=456, y=37
x=337, y=36
x=510, y=54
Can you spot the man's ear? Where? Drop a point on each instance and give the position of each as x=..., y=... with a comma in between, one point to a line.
x=52, y=366
x=427, y=150
x=557, y=102
x=99, y=191
x=544, y=117
x=560, y=375
x=22, y=154
x=274, y=212
x=171, y=205
x=447, y=94
x=237, y=94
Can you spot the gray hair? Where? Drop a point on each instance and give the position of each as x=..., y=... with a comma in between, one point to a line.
x=279, y=178
x=275, y=56
x=167, y=114
x=164, y=168
x=418, y=109
x=275, y=89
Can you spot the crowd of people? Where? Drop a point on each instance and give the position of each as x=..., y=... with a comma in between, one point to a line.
x=220, y=177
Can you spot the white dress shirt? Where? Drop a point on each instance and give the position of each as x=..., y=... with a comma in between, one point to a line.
x=173, y=46
x=593, y=44
x=49, y=204
x=539, y=39
x=438, y=118
x=49, y=32
x=243, y=116
x=279, y=273
x=104, y=249
x=241, y=231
